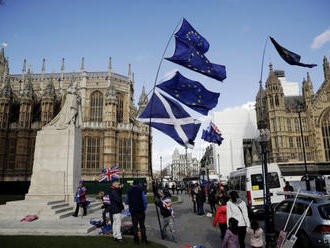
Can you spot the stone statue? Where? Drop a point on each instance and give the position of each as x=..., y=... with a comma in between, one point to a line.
x=70, y=113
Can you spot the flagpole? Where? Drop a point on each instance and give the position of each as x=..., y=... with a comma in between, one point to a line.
x=149, y=136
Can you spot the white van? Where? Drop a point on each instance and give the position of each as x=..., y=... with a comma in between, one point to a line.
x=249, y=185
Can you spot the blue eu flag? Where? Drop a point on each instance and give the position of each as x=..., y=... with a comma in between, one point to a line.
x=189, y=34
x=169, y=117
x=191, y=93
x=290, y=57
x=189, y=57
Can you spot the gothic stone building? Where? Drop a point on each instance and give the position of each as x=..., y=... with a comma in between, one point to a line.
x=281, y=114
x=110, y=133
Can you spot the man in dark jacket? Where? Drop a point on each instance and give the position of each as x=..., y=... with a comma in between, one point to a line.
x=137, y=203
x=116, y=208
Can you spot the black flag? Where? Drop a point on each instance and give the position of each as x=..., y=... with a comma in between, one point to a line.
x=289, y=57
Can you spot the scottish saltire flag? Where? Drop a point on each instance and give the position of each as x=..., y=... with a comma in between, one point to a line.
x=191, y=93
x=169, y=117
x=288, y=56
x=189, y=57
x=212, y=134
x=188, y=33
x=109, y=174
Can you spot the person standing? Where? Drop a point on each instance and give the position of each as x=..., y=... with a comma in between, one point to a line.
x=166, y=210
x=221, y=218
x=173, y=188
x=116, y=208
x=236, y=208
x=106, y=208
x=200, y=199
x=211, y=198
x=231, y=238
x=137, y=203
x=194, y=192
x=80, y=199
x=256, y=235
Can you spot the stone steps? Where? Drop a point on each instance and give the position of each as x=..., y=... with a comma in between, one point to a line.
x=93, y=207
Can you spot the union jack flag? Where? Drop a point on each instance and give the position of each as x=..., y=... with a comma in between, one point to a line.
x=215, y=128
x=167, y=203
x=109, y=174
x=106, y=200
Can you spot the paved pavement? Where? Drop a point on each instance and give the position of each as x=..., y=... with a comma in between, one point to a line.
x=191, y=228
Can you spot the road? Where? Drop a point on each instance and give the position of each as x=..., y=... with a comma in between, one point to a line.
x=191, y=228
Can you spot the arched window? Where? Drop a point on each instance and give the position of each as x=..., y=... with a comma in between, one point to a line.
x=96, y=110
x=277, y=103
x=325, y=126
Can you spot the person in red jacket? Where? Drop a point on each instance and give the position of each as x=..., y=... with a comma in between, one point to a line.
x=221, y=217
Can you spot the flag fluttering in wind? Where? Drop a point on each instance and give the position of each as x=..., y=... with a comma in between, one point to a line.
x=212, y=134
x=189, y=57
x=169, y=117
x=191, y=93
x=110, y=174
x=288, y=56
x=188, y=33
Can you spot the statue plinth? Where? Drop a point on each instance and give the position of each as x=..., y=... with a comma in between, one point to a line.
x=57, y=164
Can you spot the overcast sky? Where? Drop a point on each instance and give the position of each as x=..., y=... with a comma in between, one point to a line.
x=136, y=32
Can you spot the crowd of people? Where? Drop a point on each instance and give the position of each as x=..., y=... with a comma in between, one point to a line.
x=230, y=212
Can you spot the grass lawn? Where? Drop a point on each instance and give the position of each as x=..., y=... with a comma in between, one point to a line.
x=5, y=198
x=65, y=241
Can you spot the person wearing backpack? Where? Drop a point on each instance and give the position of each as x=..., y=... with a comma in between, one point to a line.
x=236, y=208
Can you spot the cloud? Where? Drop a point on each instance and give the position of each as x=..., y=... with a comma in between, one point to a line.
x=321, y=39
x=245, y=106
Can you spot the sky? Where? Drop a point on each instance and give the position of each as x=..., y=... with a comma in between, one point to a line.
x=136, y=32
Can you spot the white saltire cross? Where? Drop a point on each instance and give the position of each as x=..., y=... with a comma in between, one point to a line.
x=172, y=120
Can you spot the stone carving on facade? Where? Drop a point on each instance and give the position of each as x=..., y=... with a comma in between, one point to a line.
x=6, y=90
x=50, y=89
x=28, y=89
x=71, y=112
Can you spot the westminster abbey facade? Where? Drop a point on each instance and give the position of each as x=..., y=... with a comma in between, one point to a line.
x=298, y=120
x=110, y=133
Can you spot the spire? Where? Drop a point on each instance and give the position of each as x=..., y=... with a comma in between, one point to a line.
x=62, y=69
x=110, y=66
x=43, y=68
x=272, y=78
x=24, y=66
x=28, y=88
x=308, y=78
x=82, y=64
x=6, y=90
x=30, y=69
x=133, y=77
x=326, y=69
x=143, y=100
x=129, y=72
x=2, y=53
x=50, y=89
x=270, y=67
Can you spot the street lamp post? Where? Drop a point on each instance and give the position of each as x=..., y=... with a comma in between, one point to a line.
x=299, y=109
x=269, y=217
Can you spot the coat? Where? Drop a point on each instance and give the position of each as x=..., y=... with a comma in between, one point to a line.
x=136, y=200
x=81, y=195
x=220, y=215
x=116, y=201
x=238, y=210
x=230, y=240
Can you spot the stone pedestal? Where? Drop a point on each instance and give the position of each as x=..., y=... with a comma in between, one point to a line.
x=57, y=164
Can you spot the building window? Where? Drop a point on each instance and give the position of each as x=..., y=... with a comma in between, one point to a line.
x=271, y=102
x=125, y=153
x=96, y=110
x=120, y=109
x=281, y=142
x=290, y=142
x=293, y=156
x=277, y=103
x=304, y=124
x=296, y=125
x=306, y=139
x=300, y=156
x=91, y=152
x=276, y=142
x=298, y=142
x=289, y=124
x=325, y=126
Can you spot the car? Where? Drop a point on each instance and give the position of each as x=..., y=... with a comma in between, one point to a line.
x=315, y=229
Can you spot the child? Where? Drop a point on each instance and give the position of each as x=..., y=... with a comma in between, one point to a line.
x=221, y=217
x=256, y=234
x=231, y=237
x=106, y=207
